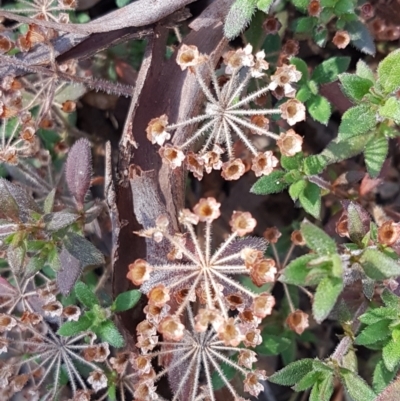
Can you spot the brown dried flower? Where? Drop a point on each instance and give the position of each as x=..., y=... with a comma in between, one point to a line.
x=264, y=163
x=341, y=39
x=272, y=234
x=389, y=233
x=172, y=156
x=293, y=111
x=297, y=321
x=290, y=143
x=156, y=130
x=297, y=238
x=242, y=223
x=207, y=209
x=139, y=271
x=233, y=170
x=314, y=8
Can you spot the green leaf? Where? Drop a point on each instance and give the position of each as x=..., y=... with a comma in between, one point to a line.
x=301, y=4
x=389, y=72
x=310, y=199
x=296, y=189
x=358, y=222
x=325, y=297
x=297, y=270
x=363, y=71
x=83, y=250
x=326, y=388
x=110, y=334
x=272, y=345
x=291, y=374
x=391, y=392
x=375, y=315
x=382, y=377
x=378, y=266
x=301, y=66
x=391, y=354
x=344, y=7
x=319, y=109
x=270, y=184
x=72, y=328
x=361, y=37
x=58, y=220
x=391, y=109
x=320, y=35
x=329, y=70
x=126, y=300
x=375, y=154
x=238, y=17
x=355, y=87
x=293, y=162
x=303, y=93
x=49, y=201
x=85, y=295
x=307, y=381
x=356, y=121
x=317, y=239
x=313, y=165
x=357, y=388
x=390, y=299
x=304, y=25
x=375, y=332
x=264, y=5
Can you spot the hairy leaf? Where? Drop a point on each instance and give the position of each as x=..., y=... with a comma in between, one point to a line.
x=382, y=377
x=69, y=272
x=356, y=121
x=319, y=109
x=325, y=297
x=291, y=374
x=317, y=239
x=58, y=220
x=310, y=199
x=270, y=184
x=391, y=109
x=391, y=393
x=354, y=86
x=297, y=270
x=391, y=354
x=296, y=189
x=357, y=388
x=329, y=70
x=389, y=72
x=375, y=154
x=379, y=266
x=85, y=295
x=373, y=333
x=72, y=328
x=78, y=170
x=361, y=37
x=358, y=221
x=126, y=300
x=110, y=334
x=82, y=249
x=239, y=17
x=363, y=71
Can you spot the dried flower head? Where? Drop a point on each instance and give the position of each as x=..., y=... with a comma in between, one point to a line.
x=297, y=238
x=290, y=143
x=242, y=223
x=139, y=272
x=226, y=114
x=341, y=39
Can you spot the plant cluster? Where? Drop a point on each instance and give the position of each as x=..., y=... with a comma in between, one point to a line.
x=209, y=299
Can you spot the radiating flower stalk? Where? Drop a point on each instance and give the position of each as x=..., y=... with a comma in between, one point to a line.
x=227, y=313
x=227, y=114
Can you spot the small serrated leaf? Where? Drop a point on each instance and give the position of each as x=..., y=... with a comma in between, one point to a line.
x=391, y=110
x=317, y=239
x=356, y=121
x=297, y=270
x=58, y=220
x=373, y=333
x=319, y=109
x=85, y=295
x=110, y=334
x=78, y=170
x=291, y=374
x=355, y=87
x=381, y=378
x=270, y=184
x=357, y=388
x=326, y=295
x=72, y=328
x=239, y=17
x=389, y=72
x=391, y=354
x=375, y=153
x=126, y=300
x=360, y=37
x=82, y=249
x=378, y=266
x=49, y=201
x=296, y=189
x=329, y=70
x=310, y=199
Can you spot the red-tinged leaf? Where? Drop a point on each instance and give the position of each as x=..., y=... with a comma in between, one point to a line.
x=78, y=170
